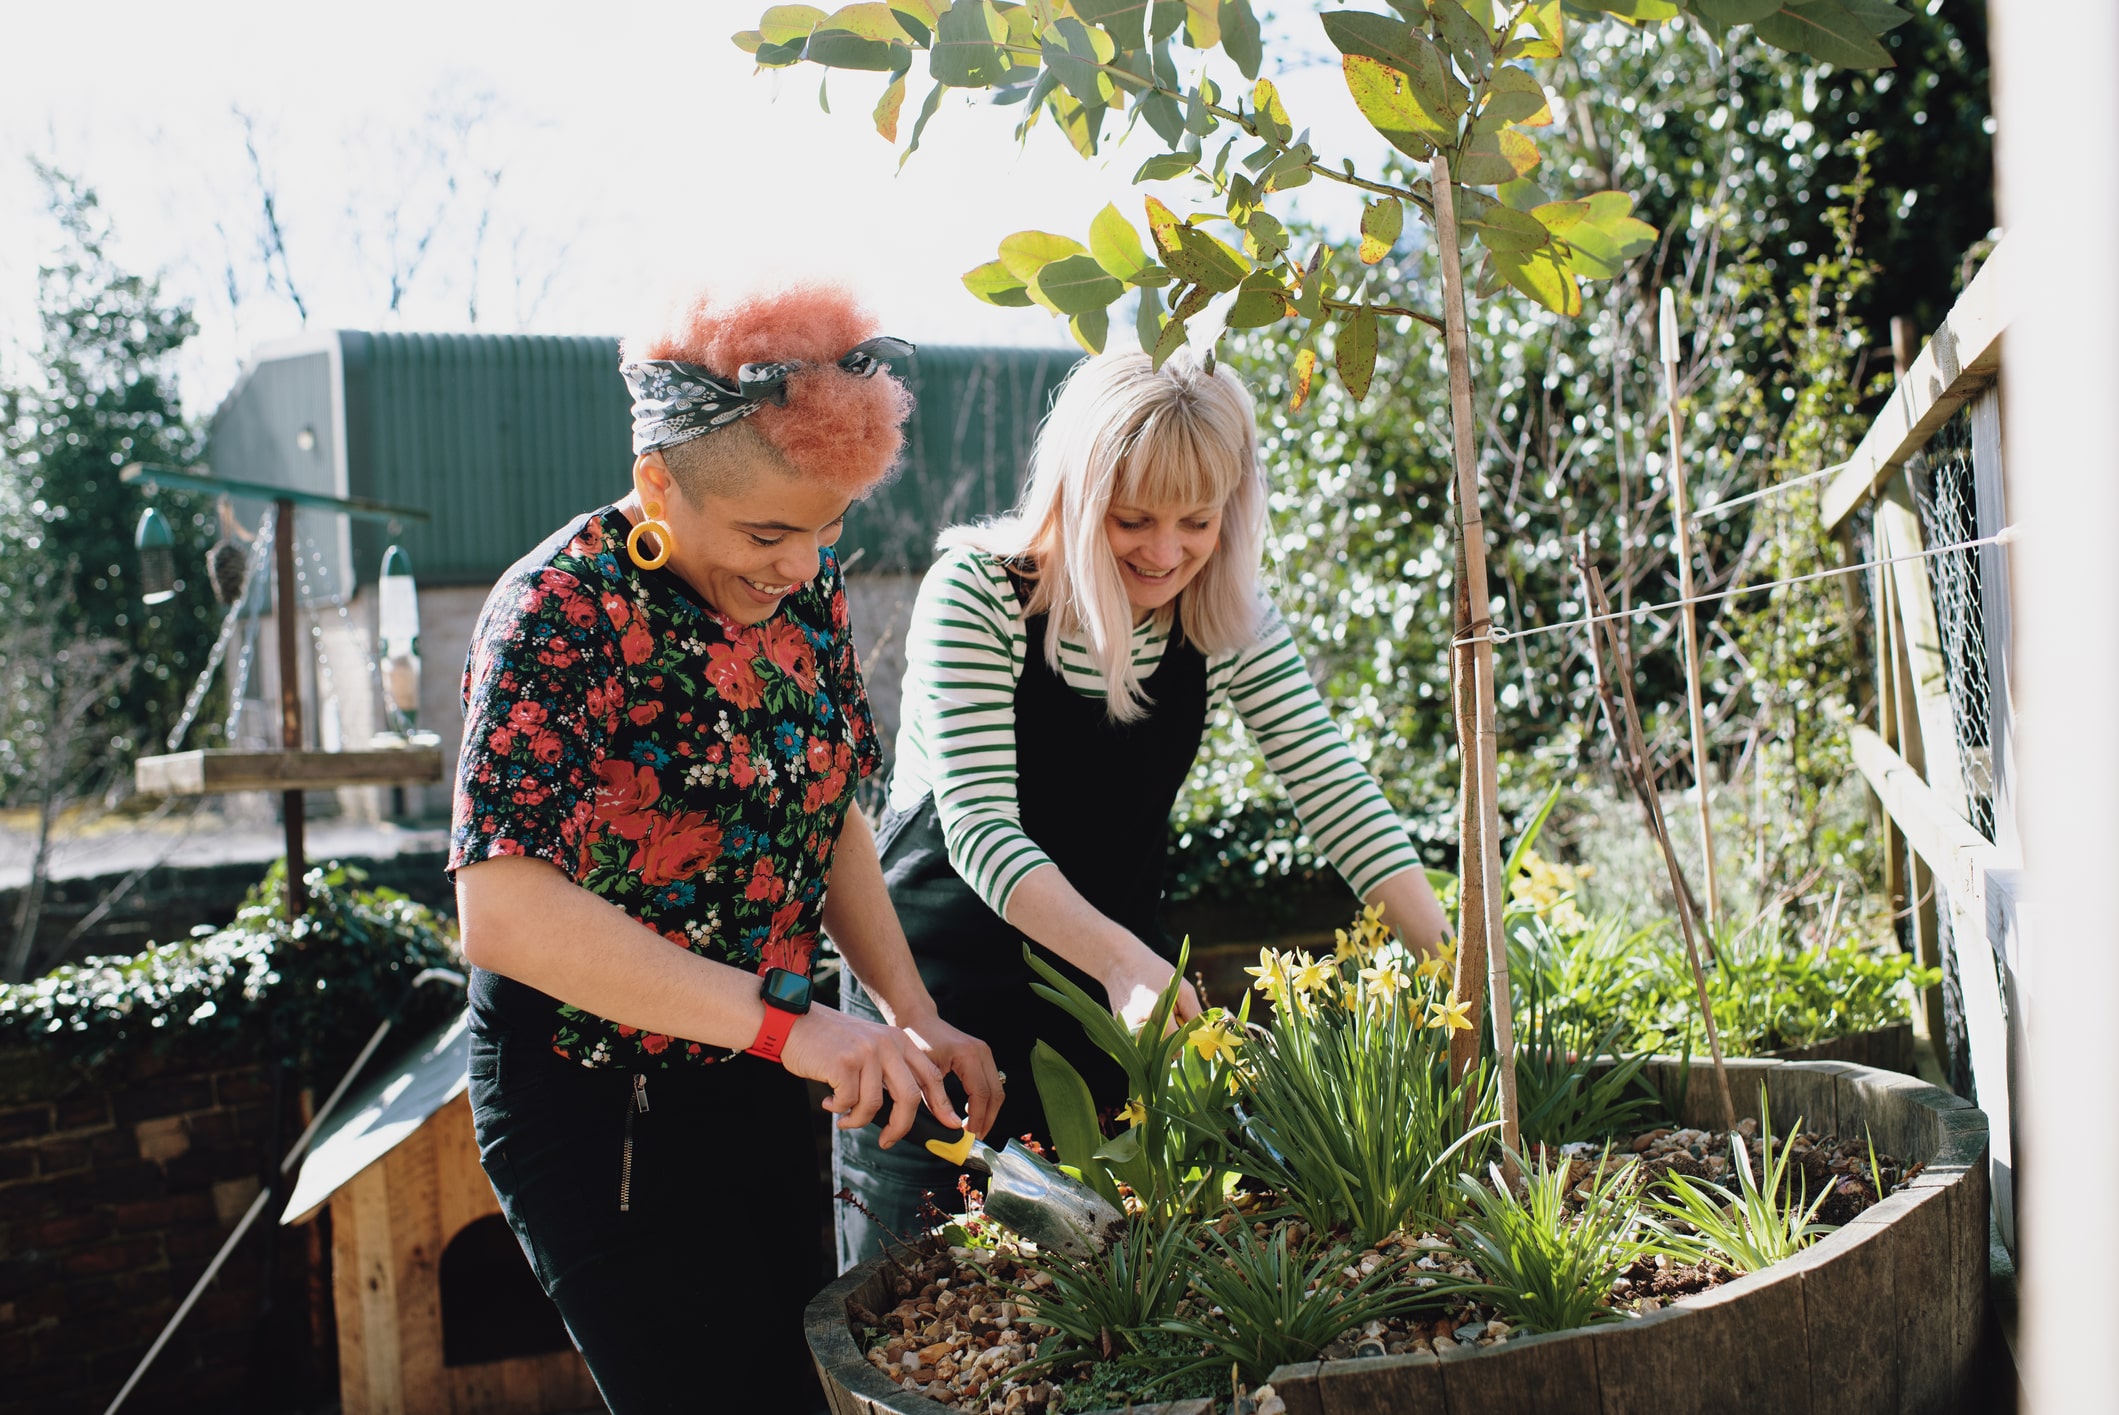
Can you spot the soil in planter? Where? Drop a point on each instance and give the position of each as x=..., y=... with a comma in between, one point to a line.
x=963, y=1327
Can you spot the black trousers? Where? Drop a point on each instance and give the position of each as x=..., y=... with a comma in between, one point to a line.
x=690, y=1297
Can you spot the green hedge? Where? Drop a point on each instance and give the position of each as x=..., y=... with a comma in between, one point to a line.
x=307, y=992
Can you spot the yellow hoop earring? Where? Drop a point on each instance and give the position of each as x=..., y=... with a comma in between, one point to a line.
x=664, y=541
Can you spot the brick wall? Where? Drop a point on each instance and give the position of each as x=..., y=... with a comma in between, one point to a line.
x=112, y=1201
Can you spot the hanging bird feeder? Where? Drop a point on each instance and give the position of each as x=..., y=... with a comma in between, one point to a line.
x=158, y=564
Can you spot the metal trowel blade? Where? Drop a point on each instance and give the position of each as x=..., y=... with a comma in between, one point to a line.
x=1046, y=1205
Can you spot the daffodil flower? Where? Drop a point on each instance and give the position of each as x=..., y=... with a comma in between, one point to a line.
x=1272, y=976
x=1314, y=974
x=1453, y=1014
x=1212, y=1039
x=1134, y=1112
x=1431, y=970
x=1385, y=980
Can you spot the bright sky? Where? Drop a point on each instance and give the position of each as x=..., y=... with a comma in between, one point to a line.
x=637, y=149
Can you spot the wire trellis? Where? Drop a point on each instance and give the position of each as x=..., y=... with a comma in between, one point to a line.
x=1947, y=494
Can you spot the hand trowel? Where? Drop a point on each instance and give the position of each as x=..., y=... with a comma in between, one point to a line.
x=1034, y=1198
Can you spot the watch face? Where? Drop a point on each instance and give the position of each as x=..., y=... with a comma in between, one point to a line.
x=787, y=991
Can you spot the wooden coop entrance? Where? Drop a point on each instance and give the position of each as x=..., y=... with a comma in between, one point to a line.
x=438, y=1310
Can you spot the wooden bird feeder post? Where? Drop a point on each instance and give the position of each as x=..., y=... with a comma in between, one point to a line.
x=291, y=770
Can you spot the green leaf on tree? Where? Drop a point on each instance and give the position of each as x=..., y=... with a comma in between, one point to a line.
x=1831, y=31
x=1148, y=318
x=1389, y=100
x=1169, y=341
x=1082, y=123
x=1499, y=228
x=1203, y=24
x=1547, y=38
x=1540, y=275
x=916, y=18
x=1489, y=159
x=1636, y=12
x=1240, y=38
x=1514, y=97
x=994, y=283
x=1300, y=378
x=967, y=46
x=1116, y=245
x=1381, y=222
x=1160, y=112
x=1192, y=255
x=927, y=111
x=842, y=49
x=1607, y=236
x=1397, y=44
x=888, y=107
x=1123, y=20
x=1072, y=52
x=1091, y=329
x=1354, y=351
x=1025, y=253
x=1074, y=285
x=1736, y=12
x=1262, y=300
x=1270, y=114
x=783, y=24
x=1468, y=38
x=1165, y=165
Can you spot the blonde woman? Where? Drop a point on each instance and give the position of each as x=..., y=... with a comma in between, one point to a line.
x=1063, y=664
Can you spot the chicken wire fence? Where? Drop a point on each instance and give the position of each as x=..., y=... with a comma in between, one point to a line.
x=1946, y=491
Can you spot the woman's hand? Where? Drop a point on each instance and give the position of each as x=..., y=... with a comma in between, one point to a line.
x=1137, y=978
x=969, y=1058
x=863, y=1062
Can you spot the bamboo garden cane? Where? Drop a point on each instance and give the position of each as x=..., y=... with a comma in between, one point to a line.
x=1640, y=770
x=1482, y=952
x=1681, y=519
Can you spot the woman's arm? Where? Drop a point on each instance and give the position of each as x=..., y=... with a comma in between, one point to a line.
x=1339, y=803
x=1051, y=911
x=861, y=921
x=525, y=920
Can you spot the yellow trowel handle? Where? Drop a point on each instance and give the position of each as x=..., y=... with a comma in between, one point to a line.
x=938, y=1139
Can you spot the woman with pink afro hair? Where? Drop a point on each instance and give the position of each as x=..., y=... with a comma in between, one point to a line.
x=664, y=726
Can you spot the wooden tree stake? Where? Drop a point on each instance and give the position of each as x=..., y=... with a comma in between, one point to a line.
x=1482, y=950
x=1681, y=518
x=1624, y=720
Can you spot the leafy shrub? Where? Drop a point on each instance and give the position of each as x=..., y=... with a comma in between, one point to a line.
x=1551, y=1270
x=308, y=991
x=1764, y=1221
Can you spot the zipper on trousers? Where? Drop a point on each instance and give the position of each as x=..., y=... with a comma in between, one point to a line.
x=635, y=1104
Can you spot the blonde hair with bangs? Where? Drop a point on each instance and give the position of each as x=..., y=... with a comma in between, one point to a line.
x=1124, y=431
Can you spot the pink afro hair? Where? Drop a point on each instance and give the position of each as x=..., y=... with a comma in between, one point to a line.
x=836, y=428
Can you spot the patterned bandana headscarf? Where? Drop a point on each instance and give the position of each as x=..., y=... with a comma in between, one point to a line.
x=674, y=402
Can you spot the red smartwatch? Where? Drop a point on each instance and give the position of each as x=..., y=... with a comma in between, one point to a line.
x=786, y=997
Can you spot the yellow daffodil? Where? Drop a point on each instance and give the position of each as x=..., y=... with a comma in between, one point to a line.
x=1385, y=980
x=1314, y=974
x=1213, y=1038
x=1272, y=976
x=1134, y=1113
x=1432, y=969
x=1453, y=1014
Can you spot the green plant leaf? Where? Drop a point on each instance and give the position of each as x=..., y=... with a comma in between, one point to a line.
x=1191, y=254
x=1083, y=123
x=1027, y=252
x=1123, y=20
x=1270, y=113
x=888, y=107
x=1548, y=37
x=1636, y=12
x=1736, y=12
x=1354, y=351
x=1827, y=30
x=784, y=24
x=1161, y=113
x=1607, y=236
x=1263, y=301
x=994, y=283
x=1468, y=38
x=1239, y=36
x=1070, y=1111
x=966, y=51
x=1165, y=165
x=1381, y=222
x=1116, y=245
x=1515, y=96
x=916, y=18
x=1074, y=285
x=927, y=111
x=1300, y=379
x=1492, y=158
x=1401, y=47
x=1148, y=318
x=1169, y=341
x=1203, y=24
x=1072, y=51
x=1091, y=329
x=841, y=49
x=1540, y=275
x=1391, y=103
x=1122, y=1150
x=1501, y=229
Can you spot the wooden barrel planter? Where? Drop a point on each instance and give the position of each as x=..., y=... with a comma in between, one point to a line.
x=1883, y=1317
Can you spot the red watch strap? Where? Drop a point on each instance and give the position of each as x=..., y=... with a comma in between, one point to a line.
x=773, y=1034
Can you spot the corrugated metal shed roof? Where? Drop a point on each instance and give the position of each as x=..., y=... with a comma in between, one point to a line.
x=504, y=437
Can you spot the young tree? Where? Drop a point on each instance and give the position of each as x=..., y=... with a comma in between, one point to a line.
x=1447, y=83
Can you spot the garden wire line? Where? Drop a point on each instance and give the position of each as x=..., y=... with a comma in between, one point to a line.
x=1499, y=635
x=1718, y=507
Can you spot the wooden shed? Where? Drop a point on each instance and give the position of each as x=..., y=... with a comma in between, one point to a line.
x=438, y=1310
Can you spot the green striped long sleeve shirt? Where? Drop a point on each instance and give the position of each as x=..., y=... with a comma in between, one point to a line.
x=964, y=656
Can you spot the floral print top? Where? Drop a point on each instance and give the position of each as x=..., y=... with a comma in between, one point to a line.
x=691, y=770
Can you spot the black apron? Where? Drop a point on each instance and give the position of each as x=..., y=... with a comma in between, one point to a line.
x=1096, y=797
